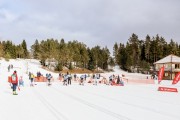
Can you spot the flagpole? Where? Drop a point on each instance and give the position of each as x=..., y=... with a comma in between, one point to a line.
x=171, y=66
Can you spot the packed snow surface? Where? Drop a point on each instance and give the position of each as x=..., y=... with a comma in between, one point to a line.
x=88, y=102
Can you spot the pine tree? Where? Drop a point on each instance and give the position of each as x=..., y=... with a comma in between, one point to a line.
x=24, y=46
x=133, y=42
x=1, y=50
x=111, y=62
x=91, y=64
x=173, y=48
x=147, y=48
x=19, y=51
x=115, y=51
x=35, y=49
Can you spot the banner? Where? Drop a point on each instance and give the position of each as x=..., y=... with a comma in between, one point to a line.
x=176, y=79
x=160, y=75
x=167, y=89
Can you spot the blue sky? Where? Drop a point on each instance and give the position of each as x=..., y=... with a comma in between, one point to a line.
x=94, y=22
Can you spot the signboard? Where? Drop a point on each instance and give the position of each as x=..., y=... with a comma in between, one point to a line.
x=167, y=89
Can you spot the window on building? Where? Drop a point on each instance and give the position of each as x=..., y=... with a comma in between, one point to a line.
x=166, y=74
x=177, y=66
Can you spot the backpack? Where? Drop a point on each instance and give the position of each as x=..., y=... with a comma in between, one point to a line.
x=13, y=77
x=32, y=76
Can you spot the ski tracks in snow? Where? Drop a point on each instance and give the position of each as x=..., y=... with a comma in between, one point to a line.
x=91, y=105
x=133, y=105
x=58, y=115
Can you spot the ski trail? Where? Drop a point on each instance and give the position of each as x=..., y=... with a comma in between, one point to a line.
x=132, y=96
x=132, y=105
x=58, y=115
x=96, y=107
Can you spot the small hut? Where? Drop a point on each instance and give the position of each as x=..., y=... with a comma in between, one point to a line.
x=171, y=64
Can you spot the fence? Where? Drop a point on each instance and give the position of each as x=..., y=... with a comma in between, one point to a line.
x=40, y=79
x=138, y=81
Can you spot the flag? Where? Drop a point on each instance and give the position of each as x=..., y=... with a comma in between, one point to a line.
x=19, y=88
x=160, y=75
x=176, y=79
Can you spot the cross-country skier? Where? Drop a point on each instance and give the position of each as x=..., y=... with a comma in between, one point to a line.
x=95, y=79
x=9, y=68
x=49, y=76
x=14, y=81
x=21, y=81
x=32, y=79
x=82, y=78
x=75, y=77
x=69, y=79
x=65, y=79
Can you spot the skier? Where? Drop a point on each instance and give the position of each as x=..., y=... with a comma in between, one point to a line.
x=75, y=76
x=110, y=79
x=9, y=68
x=119, y=81
x=29, y=75
x=85, y=76
x=60, y=76
x=95, y=79
x=98, y=76
x=65, y=79
x=69, y=79
x=49, y=79
x=38, y=74
x=93, y=76
x=14, y=81
x=32, y=79
x=82, y=78
x=21, y=82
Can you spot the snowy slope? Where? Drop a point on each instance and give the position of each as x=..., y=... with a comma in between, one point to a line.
x=102, y=102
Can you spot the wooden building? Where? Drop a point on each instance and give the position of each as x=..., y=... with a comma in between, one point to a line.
x=171, y=64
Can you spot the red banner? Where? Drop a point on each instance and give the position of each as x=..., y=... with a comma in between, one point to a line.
x=176, y=79
x=160, y=75
x=167, y=89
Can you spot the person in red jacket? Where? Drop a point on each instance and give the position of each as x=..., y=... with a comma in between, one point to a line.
x=14, y=81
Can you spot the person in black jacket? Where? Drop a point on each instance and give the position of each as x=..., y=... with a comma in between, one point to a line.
x=69, y=79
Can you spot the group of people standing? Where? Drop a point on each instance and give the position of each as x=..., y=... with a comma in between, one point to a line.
x=66, y=79
x=32, y=78
x=115, y=80
x=15, y=82
x=94, y=79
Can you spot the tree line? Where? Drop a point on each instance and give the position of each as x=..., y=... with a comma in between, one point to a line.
x=72, y=51
x=142, y=54
x=135, y=53
x=9, y=50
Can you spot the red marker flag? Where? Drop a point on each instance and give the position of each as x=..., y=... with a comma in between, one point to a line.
x=19, y=88
x=176, y=79
x=160, y=75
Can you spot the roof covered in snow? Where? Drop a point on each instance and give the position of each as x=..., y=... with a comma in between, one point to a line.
x=169, y=59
